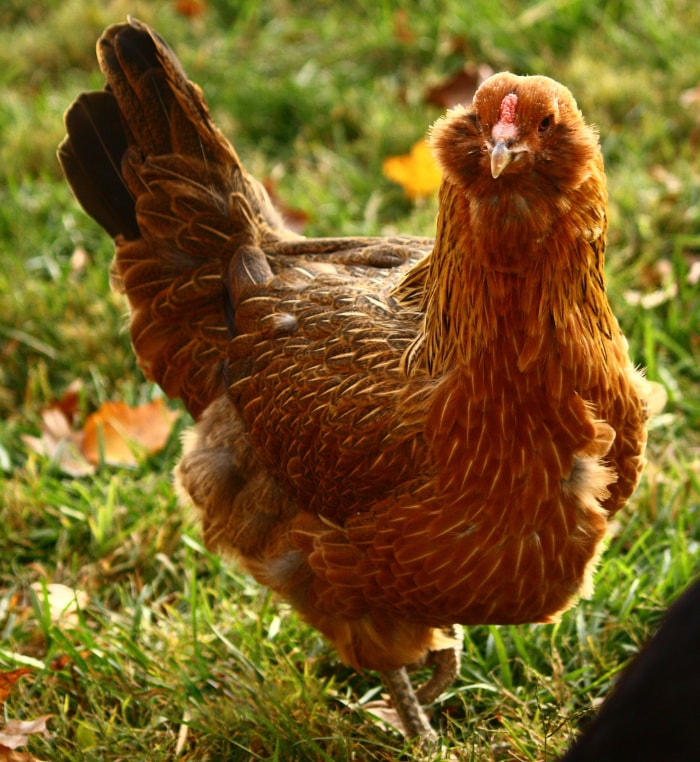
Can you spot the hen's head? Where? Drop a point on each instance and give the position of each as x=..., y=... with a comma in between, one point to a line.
x=518, y=130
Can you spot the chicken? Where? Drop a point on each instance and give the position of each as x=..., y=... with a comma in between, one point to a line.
x=396, y=435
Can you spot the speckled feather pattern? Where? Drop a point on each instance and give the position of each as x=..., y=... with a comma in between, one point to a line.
x=394, y=434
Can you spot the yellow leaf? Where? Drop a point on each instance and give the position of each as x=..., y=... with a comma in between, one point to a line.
x=120, y=433
x=416, y=172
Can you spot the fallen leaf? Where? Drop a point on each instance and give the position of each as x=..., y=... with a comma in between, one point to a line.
x=190, y=8
x=10, y=755
x=8, y=680
x=60, y=443
x=69, y=403
x=118, y=433
x=416, y=172
x=402, y=27
x=660, y=286
x=385, y=714
x=60, y=662
x=386, y=717
x=459, y=87
x=16, y=733
x=64, y=602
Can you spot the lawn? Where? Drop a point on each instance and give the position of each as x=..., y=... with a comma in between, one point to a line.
x=174, y=654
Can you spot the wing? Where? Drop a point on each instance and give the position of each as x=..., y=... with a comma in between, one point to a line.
x=322, y=391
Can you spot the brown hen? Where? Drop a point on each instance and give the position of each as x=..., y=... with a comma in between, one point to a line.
x=395, y=435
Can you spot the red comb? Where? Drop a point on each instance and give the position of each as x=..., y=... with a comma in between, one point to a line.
x=505, y=127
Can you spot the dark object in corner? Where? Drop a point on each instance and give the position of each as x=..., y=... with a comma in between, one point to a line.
x=653, y=714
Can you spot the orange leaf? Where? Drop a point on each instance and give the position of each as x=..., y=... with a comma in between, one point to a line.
x=8, y=680
x=190, y=8
x=118, y=432
x=416, y=172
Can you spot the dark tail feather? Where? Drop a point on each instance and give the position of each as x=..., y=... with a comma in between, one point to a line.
x=148, y=109
x=144, y=158
x=90, y=156
x=164, y=112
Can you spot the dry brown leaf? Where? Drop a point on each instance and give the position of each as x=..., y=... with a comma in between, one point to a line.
x=416, y=172
x=119, y=433
x=660, y=286
x=671, y=183
x=16, y=732
x=8, y=680
x=388, y=718
x=60, y=443
x=459, y=87
x=123, y=432
x=652, y=299
x=10, y=755
x=69, y=403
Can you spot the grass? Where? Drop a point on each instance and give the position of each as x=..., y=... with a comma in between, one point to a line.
x=171, y=639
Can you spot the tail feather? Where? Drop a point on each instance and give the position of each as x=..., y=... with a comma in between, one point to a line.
x=146, y=77
x=91, y=157
x=145, y=160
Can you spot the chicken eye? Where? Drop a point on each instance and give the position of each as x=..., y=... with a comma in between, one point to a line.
x=546, y=123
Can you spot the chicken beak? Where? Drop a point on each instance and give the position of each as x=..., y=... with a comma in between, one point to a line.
x=501, y=157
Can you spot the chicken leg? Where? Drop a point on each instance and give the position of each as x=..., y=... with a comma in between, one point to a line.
x=411, y=713
x=409, y=702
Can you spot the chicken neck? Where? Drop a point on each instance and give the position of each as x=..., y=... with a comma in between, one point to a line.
x=515, y=276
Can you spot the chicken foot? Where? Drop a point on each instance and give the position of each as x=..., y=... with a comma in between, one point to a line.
x=411, y=713
x=445, y=663
x=409, y=702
